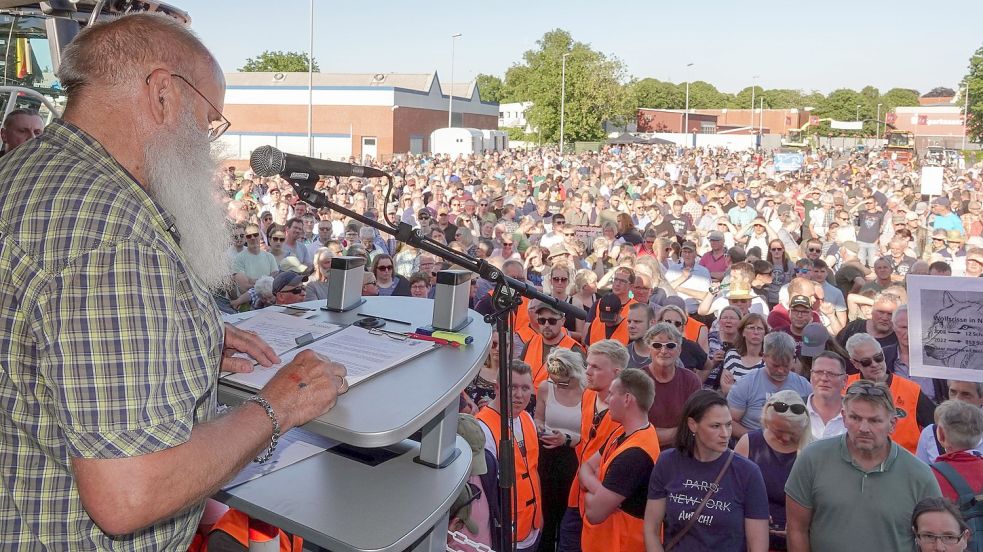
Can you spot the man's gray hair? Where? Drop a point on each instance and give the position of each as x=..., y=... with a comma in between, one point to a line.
x=901, y=310
x=124, y=51
x=962, y=423
x=859, y=340
x=779, y=346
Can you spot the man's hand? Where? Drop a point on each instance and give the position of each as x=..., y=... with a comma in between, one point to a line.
x=244, y=341
x=306, y=388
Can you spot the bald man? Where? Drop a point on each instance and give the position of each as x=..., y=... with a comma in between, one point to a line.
x=111, y=341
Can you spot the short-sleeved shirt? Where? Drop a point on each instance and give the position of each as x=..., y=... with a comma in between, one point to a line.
x=683, y=482
x=255, y=265
x=628, y=476
x=110, y=345
x=667, y=408
x=751, y=392
x=853, y=509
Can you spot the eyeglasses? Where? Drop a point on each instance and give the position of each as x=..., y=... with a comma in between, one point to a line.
x=825, y=374
x=277, y=240
x=384, y=268
x=423, y=217
x=215, y=128
x=782, y=408
x=559, y=222
x=295, y=291
x=778, y=249
x=866, y=362
x=812, y=250
x=673, y=322
x=251, y=236
x=658, y=345
x=507, y=244
x=546, y=320
x=929, y=538
x=239, y=236
x=560, y=279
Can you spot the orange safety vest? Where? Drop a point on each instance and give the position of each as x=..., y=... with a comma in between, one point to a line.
x=533, y=356
x=591, y=440
x=692, y=329
x=598, y=330
x=905, y=394
x=620, y=531
x=234, y=525
x=527, y=490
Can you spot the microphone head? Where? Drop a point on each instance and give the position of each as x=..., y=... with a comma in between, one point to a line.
x=267, y=161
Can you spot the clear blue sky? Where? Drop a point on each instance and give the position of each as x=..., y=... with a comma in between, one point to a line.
x=822, y=45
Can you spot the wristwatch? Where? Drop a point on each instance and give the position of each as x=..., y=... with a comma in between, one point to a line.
x=569, y=439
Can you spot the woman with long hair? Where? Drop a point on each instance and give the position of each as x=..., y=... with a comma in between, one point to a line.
x=701, y=468
x=584, y=296
x=535, y=266
x=785, y=431
x=747, y=355
x=782, y=270
x=386, y=279
x=317, y=283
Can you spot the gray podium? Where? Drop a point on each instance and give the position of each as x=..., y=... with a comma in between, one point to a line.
x=395, y=495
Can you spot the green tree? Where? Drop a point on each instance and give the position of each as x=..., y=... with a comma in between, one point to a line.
x=594, y=90
x=897, y=97
x=490, y=88
x=703, y=95
x=278, y=62
x=656, y=94
x=974, y=81
x=841, y=105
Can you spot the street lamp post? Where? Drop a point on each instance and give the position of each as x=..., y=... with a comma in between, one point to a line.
x=965, y=115
x=686, y=115
x=754, y=84
x=450, y=89
x=563, y=96
x=310, y=89
x=878, y=122
x=761, y=118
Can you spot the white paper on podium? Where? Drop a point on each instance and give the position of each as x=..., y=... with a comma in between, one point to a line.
x=294, y=446
x=363, y=353
x=281, y=331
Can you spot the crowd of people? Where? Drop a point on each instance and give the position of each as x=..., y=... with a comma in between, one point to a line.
x=742, y=379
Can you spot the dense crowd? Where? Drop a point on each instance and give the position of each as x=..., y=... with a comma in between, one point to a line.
x=742, y=379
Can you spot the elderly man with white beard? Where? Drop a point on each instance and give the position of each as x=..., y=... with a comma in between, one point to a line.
x=110, y=241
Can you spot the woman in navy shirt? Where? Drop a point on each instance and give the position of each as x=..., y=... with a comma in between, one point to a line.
x=735, y=517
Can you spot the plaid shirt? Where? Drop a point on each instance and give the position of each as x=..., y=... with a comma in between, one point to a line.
x=108, y=347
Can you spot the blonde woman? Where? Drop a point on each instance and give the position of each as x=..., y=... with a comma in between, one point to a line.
x=317, y=283
x=557, y=418
x=785, y=431
x=584, y=296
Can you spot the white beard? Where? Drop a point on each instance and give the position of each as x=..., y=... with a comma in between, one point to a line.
x=180, y=177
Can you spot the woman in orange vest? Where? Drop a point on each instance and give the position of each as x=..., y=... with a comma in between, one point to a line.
x=616, y=478
x=528, y=516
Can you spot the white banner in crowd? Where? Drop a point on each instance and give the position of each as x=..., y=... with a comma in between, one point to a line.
x=945, y=327
x=846, y=125
x=931, y=181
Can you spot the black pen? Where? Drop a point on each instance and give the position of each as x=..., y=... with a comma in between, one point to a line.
x=384, y=318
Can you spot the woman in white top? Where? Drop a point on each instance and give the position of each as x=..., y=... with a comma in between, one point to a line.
x=557, y=417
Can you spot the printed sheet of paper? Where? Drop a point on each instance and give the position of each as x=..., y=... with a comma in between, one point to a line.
x=363, y=353
x=282, y=330
x=945, y=327
x=294, y=446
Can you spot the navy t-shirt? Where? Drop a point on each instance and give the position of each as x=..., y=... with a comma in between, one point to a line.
x=683, y=482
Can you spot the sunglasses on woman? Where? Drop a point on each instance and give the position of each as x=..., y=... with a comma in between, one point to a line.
x=781, y=408
x=659, y=345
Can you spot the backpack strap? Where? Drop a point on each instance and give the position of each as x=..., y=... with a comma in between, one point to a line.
x=962, y=488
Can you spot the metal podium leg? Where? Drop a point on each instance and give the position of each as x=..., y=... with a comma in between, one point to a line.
x=438, y=448
x=436, y=539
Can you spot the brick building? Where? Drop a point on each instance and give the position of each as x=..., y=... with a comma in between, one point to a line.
x=673, y=120
x=360, y=115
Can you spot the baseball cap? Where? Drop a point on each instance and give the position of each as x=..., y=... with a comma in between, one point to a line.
x=715, y=235
x=536, y=305
x=608, y=308
x=293, y=264
x=800, y=301
x=911, y=216
x=921, y=207
x=688, y=245
x=814, y=338
x=943, y=201
x=286, y=278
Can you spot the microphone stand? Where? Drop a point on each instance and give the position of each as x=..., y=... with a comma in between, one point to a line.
x=506, y=299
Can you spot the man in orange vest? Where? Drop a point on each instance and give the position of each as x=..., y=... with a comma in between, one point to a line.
x=611, y=321
x=551, y=334
x=528, y=514
x=615, y=478
x=915, y=410
x=605, y=360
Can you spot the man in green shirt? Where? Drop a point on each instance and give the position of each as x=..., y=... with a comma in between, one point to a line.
x=857, y=492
